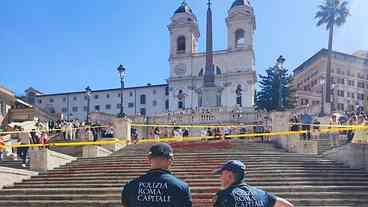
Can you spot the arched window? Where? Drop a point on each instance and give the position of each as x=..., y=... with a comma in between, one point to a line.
x=200, y=72
x=238, y=93
x=239, y=38
x=181, y=100
x=218, y=70
x=181, y=44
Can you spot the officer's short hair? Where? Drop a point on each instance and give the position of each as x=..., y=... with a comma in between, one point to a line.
x=238, y=177
x=162, y=150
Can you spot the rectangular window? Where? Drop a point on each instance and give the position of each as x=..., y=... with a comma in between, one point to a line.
x=96, y=96
x=85, y=108
x=108, y=107
x=167, y=91
x=239, y=101
x=167, y=104
x=341, y=81
x=75, y=109
x=361, y=96
x=64, y=99
x=360, y=85
x=51, y=100
x=340, y=93
x=130, y=105
x=97, y=108
x=74, y=98
x=351, y=83
x=107, y=95
x=86, y=98
x=154, y=103
x=143, y=99
x=130, y=94
x=340, y=107
x=39, y=101
x=142, y=111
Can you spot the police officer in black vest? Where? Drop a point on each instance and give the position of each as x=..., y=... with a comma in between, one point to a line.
x=238, y=194
x=158, y=187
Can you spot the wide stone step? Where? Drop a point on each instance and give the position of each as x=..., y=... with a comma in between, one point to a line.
x=199, y=165
x=197, y=203
x=129, y=170
x=124, y=179
x=98, y=184
x=275, y=189
x=116, y=196
x=288, y=172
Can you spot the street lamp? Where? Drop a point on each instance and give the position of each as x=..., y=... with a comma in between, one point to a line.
x=333, y=108
x=280, y=66
x=89, y=93
x=322, y=82
x=122, y=74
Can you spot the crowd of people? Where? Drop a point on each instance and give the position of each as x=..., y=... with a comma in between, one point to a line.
x=204, y=134
x=74, y=130
x=41, y=133
x=346, y=126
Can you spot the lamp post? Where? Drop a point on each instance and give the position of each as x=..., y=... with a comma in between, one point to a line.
x=333, y=108
x=280, y=66
x=89, y=93
x=322, y=82
x=122, y=72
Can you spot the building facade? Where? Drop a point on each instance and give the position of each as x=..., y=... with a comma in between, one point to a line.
x=145, y=100
x=7, y=101
x=232, y=70
x=233, y=67
x=349, y=80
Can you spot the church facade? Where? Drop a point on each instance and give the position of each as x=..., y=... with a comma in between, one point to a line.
x=233, y=68
x=224, y=79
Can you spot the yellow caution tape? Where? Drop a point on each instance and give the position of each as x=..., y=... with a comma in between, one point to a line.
x=194, y=126
x=178, y=139
x=51, y=130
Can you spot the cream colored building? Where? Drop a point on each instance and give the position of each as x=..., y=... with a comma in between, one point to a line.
x=7, y=101
x=349, y=80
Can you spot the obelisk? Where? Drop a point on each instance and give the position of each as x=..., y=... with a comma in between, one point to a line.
x=210, y=93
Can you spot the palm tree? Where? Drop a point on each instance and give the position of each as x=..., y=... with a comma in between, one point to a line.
x=331, y=13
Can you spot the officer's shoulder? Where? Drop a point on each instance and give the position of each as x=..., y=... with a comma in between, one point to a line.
x=176, y=181
x=132, y=183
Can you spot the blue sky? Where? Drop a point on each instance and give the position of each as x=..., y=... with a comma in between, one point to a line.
x=59, y=46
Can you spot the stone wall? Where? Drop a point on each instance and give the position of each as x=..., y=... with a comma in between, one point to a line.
x=9, y=176
x=43, y=160
x=353, y=155
x=95, y=151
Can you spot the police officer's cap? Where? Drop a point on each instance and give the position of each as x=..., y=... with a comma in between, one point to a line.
x=235, y=166
x=161, y=150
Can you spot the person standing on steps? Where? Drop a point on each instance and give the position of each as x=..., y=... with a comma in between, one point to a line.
x=236, y=193
x=158, y=187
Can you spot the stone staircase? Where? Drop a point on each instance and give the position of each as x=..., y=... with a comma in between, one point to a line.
x=324, y=143
x=17, y=164
x=90, y=182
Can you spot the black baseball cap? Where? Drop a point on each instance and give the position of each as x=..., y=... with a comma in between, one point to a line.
x=235, y=166
x=161, y=150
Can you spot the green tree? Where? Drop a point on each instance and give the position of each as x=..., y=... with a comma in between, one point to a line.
x=331, y=13
x=276, y=89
